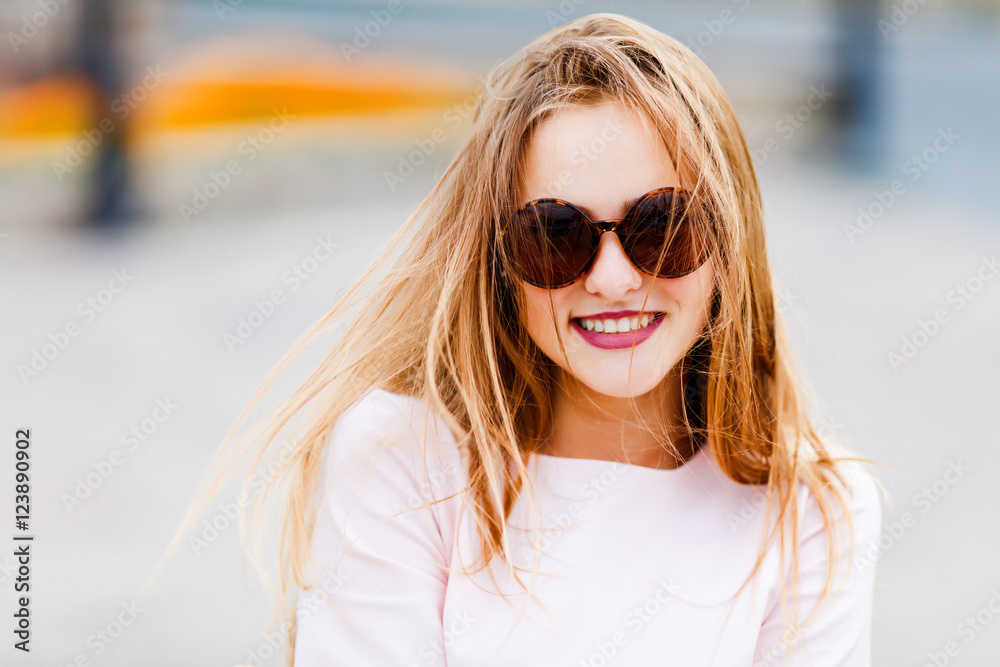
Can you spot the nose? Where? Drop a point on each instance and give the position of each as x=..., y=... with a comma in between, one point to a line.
x=612, y=275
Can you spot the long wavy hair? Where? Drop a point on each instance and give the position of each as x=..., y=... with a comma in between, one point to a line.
x=436, y=315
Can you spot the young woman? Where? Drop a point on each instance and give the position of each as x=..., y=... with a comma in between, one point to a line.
x=561, y=425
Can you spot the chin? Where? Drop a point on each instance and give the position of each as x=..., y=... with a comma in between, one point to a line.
x=623, y=387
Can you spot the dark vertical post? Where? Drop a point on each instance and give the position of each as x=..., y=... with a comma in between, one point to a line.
x=860, y=83
x=101, y=60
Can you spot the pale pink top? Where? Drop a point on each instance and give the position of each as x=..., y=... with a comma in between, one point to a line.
x=639, y=565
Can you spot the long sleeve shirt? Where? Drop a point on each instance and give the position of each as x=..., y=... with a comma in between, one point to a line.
x=636, y=565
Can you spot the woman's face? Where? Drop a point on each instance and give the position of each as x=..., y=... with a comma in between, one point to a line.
x=597, y=157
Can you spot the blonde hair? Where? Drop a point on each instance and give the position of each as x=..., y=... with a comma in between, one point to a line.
x=441, y=322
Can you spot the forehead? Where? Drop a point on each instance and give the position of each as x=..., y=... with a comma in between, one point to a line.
x=596, y=156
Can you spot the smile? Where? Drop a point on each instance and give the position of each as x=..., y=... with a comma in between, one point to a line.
x=620, y=325
x=617, y=333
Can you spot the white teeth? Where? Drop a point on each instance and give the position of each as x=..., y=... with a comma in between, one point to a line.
x=617, y=326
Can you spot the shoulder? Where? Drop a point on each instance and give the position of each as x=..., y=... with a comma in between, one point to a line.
x=856, y=484
x=853, y=503
x=396, y=437
x=380, y=412
x=832, y=582
x=385, y=522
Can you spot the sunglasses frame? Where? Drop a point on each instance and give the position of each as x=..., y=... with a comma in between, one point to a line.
x=599, y=228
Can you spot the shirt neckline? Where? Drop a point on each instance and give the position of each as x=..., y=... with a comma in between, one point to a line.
x=564, y=461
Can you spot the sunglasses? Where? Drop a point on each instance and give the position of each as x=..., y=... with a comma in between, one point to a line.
x=552, y=242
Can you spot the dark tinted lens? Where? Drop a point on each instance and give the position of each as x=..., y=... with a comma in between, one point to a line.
x=663, y=225
x=551, y=243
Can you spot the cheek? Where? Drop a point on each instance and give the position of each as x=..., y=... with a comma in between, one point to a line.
x=693, y=293
x=536, y=310
x=537, y=319
x=701, y=294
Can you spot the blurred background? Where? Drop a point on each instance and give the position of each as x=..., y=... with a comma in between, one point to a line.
x=185, y=187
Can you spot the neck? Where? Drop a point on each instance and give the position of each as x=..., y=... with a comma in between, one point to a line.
x=591, y=425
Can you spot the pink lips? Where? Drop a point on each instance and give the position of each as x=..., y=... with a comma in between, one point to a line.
x=617, y=340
